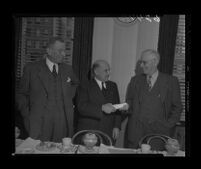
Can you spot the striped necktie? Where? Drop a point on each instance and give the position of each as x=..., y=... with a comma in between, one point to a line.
x=54, y=72
x=103, y=89
x=149, y=82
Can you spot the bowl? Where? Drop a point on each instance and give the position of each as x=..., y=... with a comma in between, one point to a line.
x=66, y=142
x=172, y=146
x=145, y=148
x=90, y=140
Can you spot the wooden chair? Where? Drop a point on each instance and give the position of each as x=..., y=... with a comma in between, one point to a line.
x=102, y=137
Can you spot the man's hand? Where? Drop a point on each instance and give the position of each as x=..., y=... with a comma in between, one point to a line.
x=115, y=133
x=108, y=108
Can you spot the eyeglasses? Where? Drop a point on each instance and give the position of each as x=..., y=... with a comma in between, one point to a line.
x=107, y=70
x=145, y=62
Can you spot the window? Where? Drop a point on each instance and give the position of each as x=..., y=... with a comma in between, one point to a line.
x=179, y=61
x=34, y=35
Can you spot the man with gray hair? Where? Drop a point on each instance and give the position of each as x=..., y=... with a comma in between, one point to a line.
x=45, y=96
x=95, y=102
x=154, y=102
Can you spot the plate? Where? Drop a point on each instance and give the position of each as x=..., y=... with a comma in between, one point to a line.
x=46, y=146
x=68, y=149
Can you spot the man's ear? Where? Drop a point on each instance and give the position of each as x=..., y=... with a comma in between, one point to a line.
x=95, y=72
x=156, y=62
x=49, y=51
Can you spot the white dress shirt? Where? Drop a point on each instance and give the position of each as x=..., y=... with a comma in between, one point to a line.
x=154, y=78
x=50, y=65
x=100, y=83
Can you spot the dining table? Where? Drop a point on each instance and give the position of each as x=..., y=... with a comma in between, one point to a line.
x=29, y=146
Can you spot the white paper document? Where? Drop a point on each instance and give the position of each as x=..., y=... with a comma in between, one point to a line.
x=118, y=106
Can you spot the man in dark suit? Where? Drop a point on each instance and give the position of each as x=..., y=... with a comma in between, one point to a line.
x=95, y=102
x=154, y=103
x=46, y=92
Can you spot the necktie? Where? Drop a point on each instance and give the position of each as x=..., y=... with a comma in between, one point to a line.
x=54, y=72
x=103, y=89
x=103, y=86
x=149, y=82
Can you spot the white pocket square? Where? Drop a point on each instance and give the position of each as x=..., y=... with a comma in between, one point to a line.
x=68, y=80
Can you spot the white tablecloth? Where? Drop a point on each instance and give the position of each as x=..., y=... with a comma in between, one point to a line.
x=28, y=147
x=30, y=144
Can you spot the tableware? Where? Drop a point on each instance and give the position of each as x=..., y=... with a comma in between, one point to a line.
x=46, y=146
x=68, y=150
x=66, y=142
x=90, y=140
x=68, y=147
x=27, y=151
x=101, y=137
x=172, y=146
x=145, y=148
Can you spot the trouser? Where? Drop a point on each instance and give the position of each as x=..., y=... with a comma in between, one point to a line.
x=50, y=125
x=54, y=126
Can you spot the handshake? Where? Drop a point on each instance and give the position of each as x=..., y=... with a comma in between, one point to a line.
x=109, y=108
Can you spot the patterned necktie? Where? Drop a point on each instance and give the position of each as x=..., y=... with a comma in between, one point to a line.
x=54, y=72
x=149, y=82
x=103, y=89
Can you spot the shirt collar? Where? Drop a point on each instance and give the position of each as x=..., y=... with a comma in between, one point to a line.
x=50, y=64
x=100, y=83
x=154, y=76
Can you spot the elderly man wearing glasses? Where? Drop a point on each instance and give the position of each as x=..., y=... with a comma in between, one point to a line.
x=154, y=102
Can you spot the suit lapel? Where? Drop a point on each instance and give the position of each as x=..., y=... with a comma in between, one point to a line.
x=64, y=79
x=97, y=89
x=142, y=82
x=163, y=86
x=43, y=76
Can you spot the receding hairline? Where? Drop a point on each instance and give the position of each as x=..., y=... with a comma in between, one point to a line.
x=97, y=64
x=54, y=39
x=152, y=52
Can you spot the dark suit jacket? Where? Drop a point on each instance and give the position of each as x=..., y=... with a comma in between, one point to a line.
x=169, y=95
x=34, y=89
x=90, y=101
